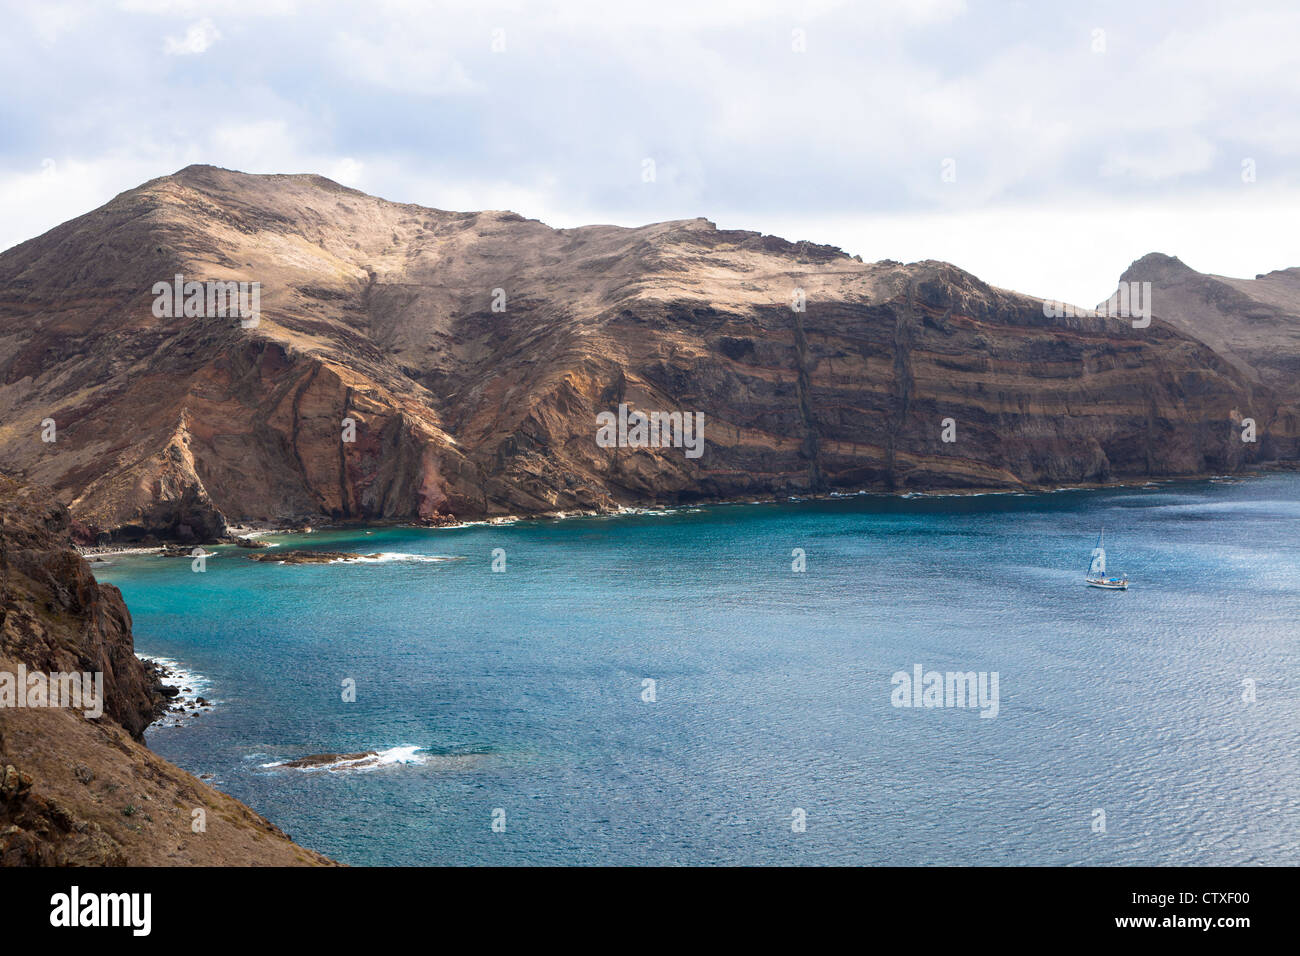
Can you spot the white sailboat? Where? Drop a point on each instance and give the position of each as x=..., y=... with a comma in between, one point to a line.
x=1097, y=577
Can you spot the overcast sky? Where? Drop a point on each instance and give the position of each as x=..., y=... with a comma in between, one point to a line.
x=1080, y=136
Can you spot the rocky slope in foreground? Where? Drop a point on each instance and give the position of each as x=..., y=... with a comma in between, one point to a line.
x=383, y=314
x=82, y=792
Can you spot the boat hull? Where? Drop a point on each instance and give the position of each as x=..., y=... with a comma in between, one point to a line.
x=1108, y=585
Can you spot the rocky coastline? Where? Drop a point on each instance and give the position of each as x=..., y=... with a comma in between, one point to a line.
x=79, y=790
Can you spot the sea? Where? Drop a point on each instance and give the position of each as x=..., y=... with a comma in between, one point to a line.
x=867, y=679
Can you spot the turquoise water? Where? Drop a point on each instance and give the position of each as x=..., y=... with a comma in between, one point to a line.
x=522, y=691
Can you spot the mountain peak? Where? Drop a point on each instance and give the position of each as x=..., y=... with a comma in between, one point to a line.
x=1156, y=266
x=1254, y=323
x=210, y=179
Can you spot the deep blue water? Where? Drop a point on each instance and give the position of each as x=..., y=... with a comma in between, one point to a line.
x=523, y=689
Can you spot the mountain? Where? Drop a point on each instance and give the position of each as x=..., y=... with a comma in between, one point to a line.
x=1255, y=323
x=382, y=314
x=76, y=791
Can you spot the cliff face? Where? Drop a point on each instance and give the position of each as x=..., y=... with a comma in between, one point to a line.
x=81, y=791
x=473, y=352
x=1255, y=323
x=56, y=617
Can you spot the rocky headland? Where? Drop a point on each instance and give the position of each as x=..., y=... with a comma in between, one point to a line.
x=81, y=791
x=413, y=364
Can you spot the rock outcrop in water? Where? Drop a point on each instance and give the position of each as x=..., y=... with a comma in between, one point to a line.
x=316, y=761
x=81, y=791
x=472, y=353
x=310, y=557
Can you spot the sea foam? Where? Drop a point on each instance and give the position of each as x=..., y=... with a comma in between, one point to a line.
x=360, y=763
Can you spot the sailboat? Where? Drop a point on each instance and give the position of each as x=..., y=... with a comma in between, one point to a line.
x=1096, y=577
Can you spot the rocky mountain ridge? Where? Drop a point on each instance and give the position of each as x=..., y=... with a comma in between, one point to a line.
x=424, y=365
x=1254, y=323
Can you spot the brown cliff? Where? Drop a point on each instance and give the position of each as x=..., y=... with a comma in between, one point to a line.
x=382, y=313
x=81, y=791
x=1254, y=323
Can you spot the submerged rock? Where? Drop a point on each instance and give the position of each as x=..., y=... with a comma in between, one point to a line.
x=322, y=760
x=310, y=557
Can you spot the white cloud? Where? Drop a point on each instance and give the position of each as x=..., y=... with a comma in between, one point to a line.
x=347, y=171
x=842, y=143
x=223, y=8
x=35, y=200
x=1175, y=157
x=1076, y=250
x=198, y=38
x=52, y=20
x=400, y=62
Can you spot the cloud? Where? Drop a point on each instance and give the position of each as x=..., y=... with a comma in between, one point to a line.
x=393, y=62
x=1173, y=157
x=408, y=100
x=1076, y=250
x=51, y=20
x=223, y=8
x=347, y=171
x=198, y=39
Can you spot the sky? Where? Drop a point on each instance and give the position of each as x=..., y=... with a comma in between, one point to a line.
x=1042, y=146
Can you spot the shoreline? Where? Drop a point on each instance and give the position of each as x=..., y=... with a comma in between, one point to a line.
x=179, y=692
x=93, y=553
x=246, y=532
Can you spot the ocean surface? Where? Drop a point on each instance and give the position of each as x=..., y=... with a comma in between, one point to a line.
x=514, y=723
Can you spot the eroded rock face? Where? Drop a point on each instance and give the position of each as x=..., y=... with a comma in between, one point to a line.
x=79, y=790
x=1255, y=323
x=54, y=615
x=382, y=315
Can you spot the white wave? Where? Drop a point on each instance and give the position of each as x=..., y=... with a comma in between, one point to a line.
x=191, y=685
x=384, y=557
x=363, y=762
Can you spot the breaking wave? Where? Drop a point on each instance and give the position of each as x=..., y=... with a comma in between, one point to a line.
x=356, y=762
x=384, y=557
